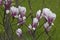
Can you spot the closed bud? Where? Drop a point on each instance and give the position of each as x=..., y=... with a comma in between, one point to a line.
x=47, y=26
x=38, y=14
x=19, y=32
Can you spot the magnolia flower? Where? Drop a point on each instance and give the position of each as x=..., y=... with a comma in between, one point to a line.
x=7, y=11
x=22, y=11
x=19, y=32
x=35, y=20
x=22, y=17
x=46, y=12
x=14, y=11
x=34, y=24
x=21, y=20
x=0, y=2
x=47, y=26
x=48, y=15
x=38, y=14
x=51, y=18
x=7, y=4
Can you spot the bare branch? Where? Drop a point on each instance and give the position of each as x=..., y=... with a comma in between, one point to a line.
x=31, y=13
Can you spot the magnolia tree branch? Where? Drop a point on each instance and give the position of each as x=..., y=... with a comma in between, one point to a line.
x=7, y=25
x=31, y=13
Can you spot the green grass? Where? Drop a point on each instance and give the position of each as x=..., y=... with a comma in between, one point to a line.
x=36, y=5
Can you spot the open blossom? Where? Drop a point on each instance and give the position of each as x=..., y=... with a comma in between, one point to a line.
x=49, y=15
x=7, y=4
x=22, y=11
x=51, y=18
x=0, y=2
x=34, y=24
x=19, y=32
x=47, y=26
x=14, y=11
x=38, y=14
x=21, y=17
x=46, y=12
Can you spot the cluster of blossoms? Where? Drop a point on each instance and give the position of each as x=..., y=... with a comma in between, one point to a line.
x=16, y=12
x=35, y=22
x=19, y=13
x=49, y=17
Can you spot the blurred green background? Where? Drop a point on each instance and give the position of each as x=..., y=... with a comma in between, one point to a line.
x=54, y=5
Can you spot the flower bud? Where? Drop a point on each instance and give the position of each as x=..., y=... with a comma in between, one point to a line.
x=35, y=20
x=38, y=14
x=47, y=26
x=35, y=23
x=19, y=32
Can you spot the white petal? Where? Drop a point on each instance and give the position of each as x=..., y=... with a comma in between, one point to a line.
x=35, y=20
x=24, y=18
x=52, y=23
x=22, y=9
x=18, y=31
x=7, y=11
x=30, y=27
x=16, y=16
x=49, y=28
x=34, y=28
x=38, y=13
x=46, y=25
